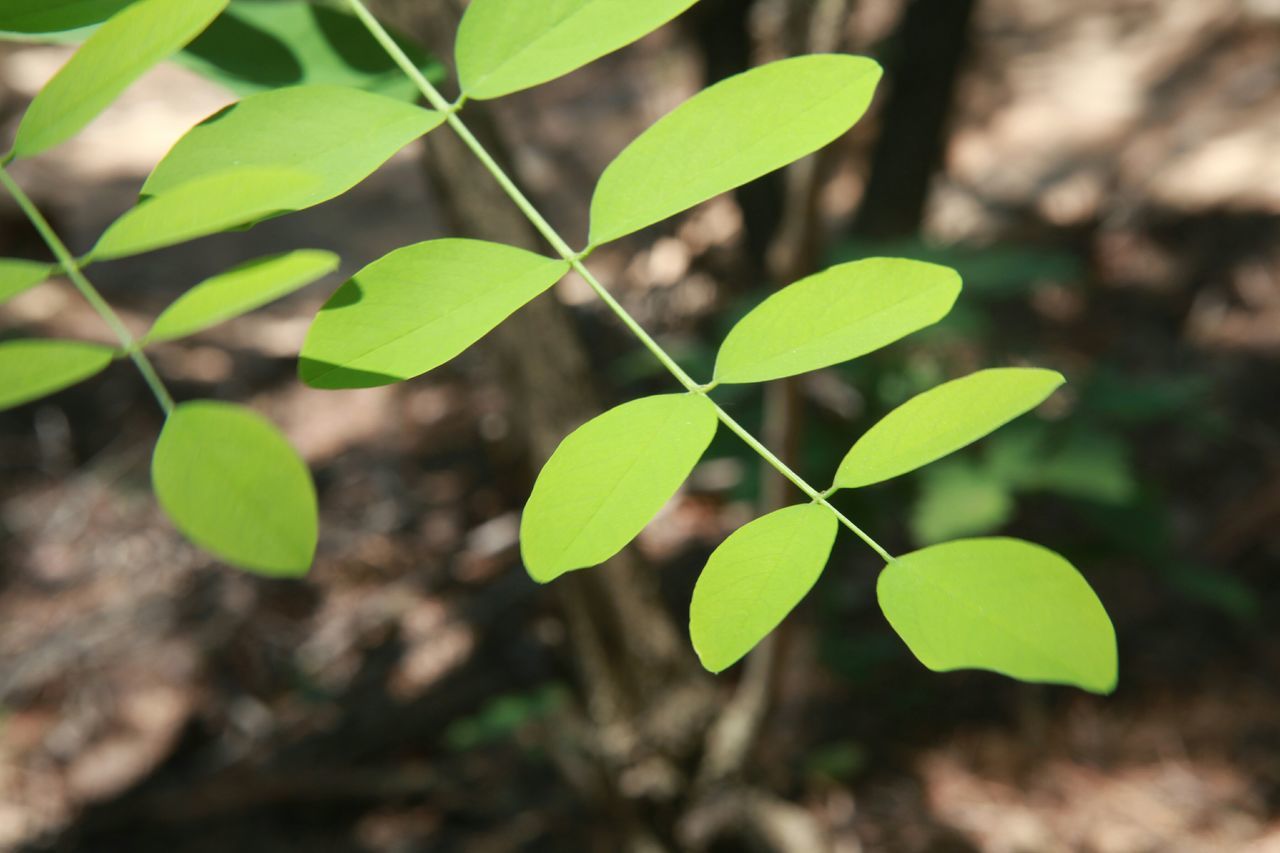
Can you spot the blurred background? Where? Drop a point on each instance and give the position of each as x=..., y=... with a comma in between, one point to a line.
x=1103, y=173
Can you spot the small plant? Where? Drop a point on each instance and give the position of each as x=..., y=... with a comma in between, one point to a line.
x=231, y=483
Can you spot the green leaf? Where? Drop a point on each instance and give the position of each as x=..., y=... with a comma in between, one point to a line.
x=258, y=45
x=958, y=498
x=31, y=369
x=232, y=484
x=337, y=135
x=1004, y=605
x=418, y=307
x=504, y=47
x=55, y=16
x=943, y=420
x=117, y=53
x=841, y=313
x=729, y=134
x=608, y=478
x=18, y=275
x=240, y=290
x=755, y=578
x=203, y=206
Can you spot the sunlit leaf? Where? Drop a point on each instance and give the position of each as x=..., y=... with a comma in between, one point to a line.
x=240, y=290
x=19, y=275
x=31, y=369
x=609, y=478
x=266, y=44
x=755, y=578
x=504, y=47
x=943, y=420
x=55, y=16
x=233, y=485
x=841, y=313
x=117, y=53
x=1004, y=605
x=203, y=206
x=337, y=135
x=418, y=307
x=729, y=134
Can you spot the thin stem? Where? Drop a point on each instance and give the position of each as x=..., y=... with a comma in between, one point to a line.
x=575, y=259
x=70, y=266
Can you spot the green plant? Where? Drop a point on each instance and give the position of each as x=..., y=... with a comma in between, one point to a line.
x=231, y=484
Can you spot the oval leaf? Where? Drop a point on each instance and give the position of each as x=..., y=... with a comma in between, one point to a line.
x=418, y=307
x=30, y=369
x=55, y=16
x=943, y=420
x=728, y=134
x=504, y=47
x=608, y=478
x=755, y=578
x=233, y=485
x=240, y=290
x=266, y=44
x=19, y=275
x=1004, y=605
x=339, y=136
x=203, y=206
x=117, y=53
x=841, y=313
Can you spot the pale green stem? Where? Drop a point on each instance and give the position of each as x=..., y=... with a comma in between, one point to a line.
x=71, y=267
x=558, y=243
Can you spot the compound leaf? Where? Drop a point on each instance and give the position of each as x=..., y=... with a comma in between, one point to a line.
x=504, y=47
x=19, y=275
x=755, y=578
x=728, y=134
x=337, y=135
x=36, y=17
x=240, y=290
x=258, y=45
x=31, y=369
x=609, y=478
x=943, y=420
x=203, y=206
x=117, y=53
x=418, y=307
x=841, y=313
x=233, y=485
x=1004, y=605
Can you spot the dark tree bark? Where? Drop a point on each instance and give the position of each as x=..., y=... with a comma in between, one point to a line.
x=928, y=50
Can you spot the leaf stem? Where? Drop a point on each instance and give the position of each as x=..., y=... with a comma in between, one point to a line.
x=575, y=259
x=71, y=267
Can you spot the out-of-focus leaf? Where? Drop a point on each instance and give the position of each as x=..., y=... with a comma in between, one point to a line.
x=203, y=206
x=728, y=134
x=755, y=578
x=836, y=315
x=19, y=275
x=266, y=44
x=117, y=53
x=609, y=478
x=504, y=47
x=958, y=498
x=38, y=17
x=233, y=485
x=942, y=420
x=240, y=290
x=418, y=307
x=31, y=369
x=337, y=135
x=1004, y=605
